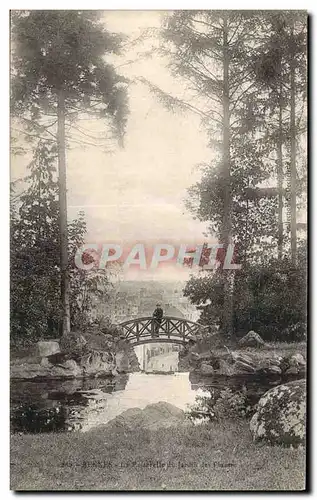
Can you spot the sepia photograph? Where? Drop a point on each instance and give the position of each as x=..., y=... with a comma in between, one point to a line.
x=158, y=250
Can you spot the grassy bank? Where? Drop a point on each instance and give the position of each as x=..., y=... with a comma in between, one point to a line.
x=213, y=457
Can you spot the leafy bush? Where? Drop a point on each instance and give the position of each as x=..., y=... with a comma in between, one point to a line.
x=269, y=298
x=35, y=259
x=220, y=405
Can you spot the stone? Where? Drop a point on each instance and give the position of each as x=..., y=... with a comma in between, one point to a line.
x=297, y=360
x=122, y=362
x=154, y=416
x=243, y=358
x=69, y=369
x=275, y=361
x=194, y=357
x=242, y=367
x=98, y=364
x=225, y=369
x=251, y=339
x=47, y=347
x=45, y=362
x=292, y=370
x=206, y=369
x=205, y=356
x=269, y=370
x=280, y=416
x=28, y=371
x=273, y=370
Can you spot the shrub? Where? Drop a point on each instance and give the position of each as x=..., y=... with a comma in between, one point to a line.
x=220, y=405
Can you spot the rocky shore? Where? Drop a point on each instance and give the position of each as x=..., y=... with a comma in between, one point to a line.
x=79, y=355
x=251, y=356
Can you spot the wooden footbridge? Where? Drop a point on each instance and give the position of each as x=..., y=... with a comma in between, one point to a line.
x=173, y=330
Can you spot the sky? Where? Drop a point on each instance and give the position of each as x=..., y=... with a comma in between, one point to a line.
x=137, y=194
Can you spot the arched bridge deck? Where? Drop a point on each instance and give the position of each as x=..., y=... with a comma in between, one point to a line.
x=171, y=329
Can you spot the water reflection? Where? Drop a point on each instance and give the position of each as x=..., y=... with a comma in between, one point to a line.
x=54, y=405
x=253, y=386
x=82, y=405
x=68, y=405
x=158, y=357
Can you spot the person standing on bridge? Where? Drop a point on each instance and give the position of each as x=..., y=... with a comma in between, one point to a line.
x=158, y=316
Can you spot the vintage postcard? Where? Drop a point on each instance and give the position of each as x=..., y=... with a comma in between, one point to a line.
x=158, y=231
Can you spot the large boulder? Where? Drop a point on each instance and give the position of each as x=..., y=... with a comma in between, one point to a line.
x=206, y=369
x=154, y=416
x=242, y=363
x=242, y=367
x=297, y=360
x=271, y=370
x=294, y=364
x=281, y=414
x=69, y=370
x=122, y=361
x=225, y=368
x=47, y=347
x=251, y=339
x=28, y=371
x=98, y=364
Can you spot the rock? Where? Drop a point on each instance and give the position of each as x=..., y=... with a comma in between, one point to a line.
x=242, y=367
x=46, y=348
x=45, y=362
x=59, y=358
x=134, y=365
x=69, y=369
x=293, y=370
x=243, y=358
x=225, y=369
x=251, y=339
x=281, y=415
x=153, y=417
x=272, y=370
x=194, y=357
x=275, y=361
x=98, y=364
x=206, y=369
x=205, y=356
x=297, y=360
x=122, y=362
x=269, y=370
x=28, y=371
x=242, y=363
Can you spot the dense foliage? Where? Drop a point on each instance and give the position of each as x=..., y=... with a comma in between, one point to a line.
x=61, y=75
x=246, y=78
x=35, y=258
x=221, y=405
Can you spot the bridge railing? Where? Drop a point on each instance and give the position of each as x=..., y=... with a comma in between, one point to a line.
x=169, y=329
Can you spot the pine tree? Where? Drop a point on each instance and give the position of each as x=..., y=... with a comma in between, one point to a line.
x=209, y=49
x=59, y=73
x=35, y=262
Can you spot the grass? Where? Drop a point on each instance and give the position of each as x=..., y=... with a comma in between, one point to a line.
x=217, y=456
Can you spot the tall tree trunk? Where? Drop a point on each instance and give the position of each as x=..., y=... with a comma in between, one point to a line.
x=280, y=178
x=227, y=314
x=63, y=213
x=293, y=158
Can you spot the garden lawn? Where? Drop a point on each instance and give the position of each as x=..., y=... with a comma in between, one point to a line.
x=215, y=456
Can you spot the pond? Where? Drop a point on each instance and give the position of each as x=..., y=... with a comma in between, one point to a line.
x=83, y=404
